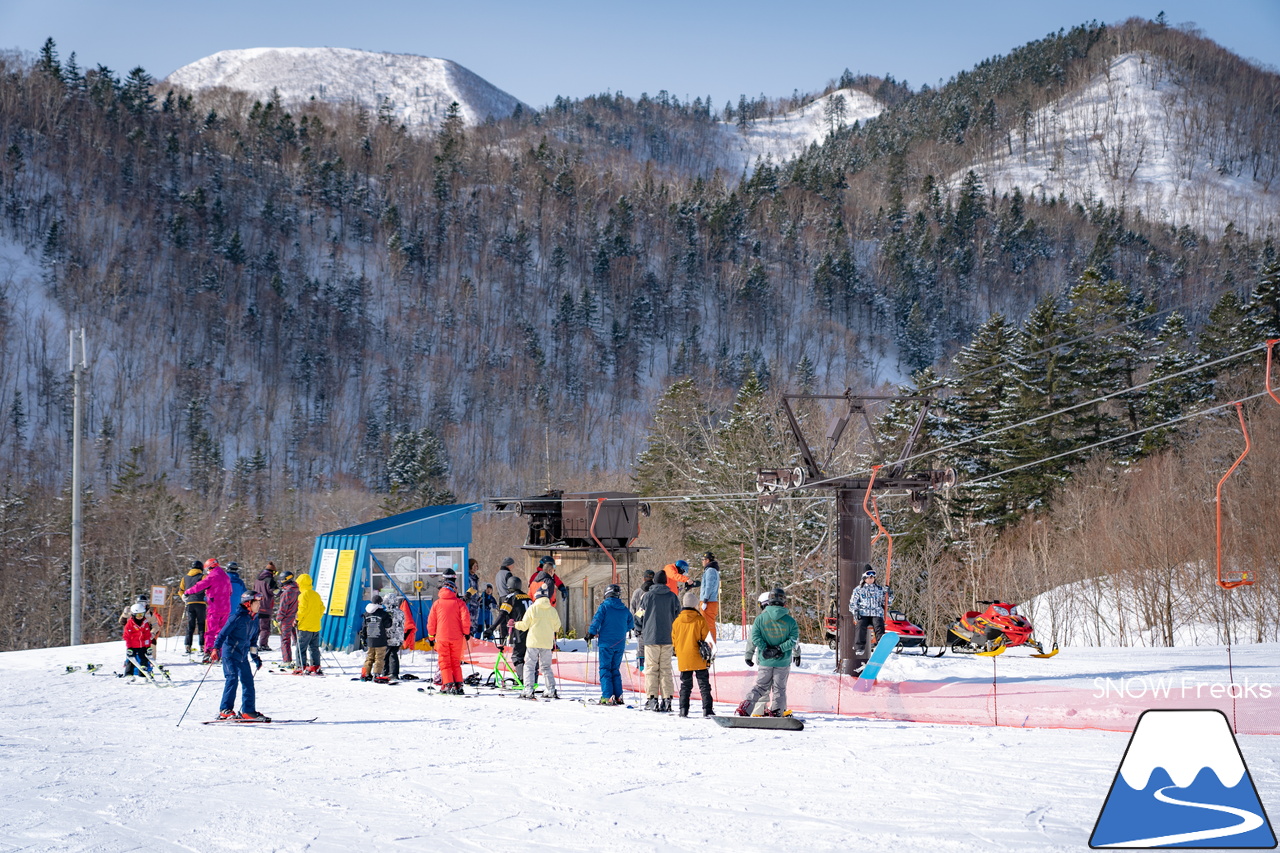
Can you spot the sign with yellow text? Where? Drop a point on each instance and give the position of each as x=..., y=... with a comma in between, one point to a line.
x=342, y=583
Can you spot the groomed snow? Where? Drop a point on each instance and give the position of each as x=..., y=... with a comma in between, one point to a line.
x=783, y=137
x=418, y=88
x=91, y=763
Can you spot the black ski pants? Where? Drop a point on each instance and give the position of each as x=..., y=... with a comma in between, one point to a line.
x=876, y=623
x=393, y=662
x=139, y=655
x=686, y=689
x=195, y=621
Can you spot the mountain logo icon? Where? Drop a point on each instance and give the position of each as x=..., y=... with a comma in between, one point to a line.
x=1183, y=783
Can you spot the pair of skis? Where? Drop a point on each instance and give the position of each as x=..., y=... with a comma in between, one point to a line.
x=89, y=668
x=232, y=721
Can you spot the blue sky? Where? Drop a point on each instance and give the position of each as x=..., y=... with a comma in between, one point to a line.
x=538, y=50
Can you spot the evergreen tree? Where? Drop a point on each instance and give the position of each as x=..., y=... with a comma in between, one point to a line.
x=1166, y=400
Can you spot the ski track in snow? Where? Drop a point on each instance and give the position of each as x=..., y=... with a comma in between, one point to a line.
x=91, y=764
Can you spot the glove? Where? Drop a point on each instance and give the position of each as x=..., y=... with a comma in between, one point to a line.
x=258, y=661
x=590, y=637
x=431, y=640
x=749, y=660
x=772, y=652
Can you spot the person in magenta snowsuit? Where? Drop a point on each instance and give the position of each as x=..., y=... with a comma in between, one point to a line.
x=217, y=589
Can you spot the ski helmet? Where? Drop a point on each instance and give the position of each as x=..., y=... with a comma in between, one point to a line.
x=547, y=561
x=778, y=596
x=138, y=608
x=249, y=595
x=197, y=565
x=613, y=591
x=212, y=563
x=681, y=565
x=233, y=566
x=763, y=600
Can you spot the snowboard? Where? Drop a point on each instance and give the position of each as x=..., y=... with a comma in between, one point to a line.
x=792, y=724
x=883, y=649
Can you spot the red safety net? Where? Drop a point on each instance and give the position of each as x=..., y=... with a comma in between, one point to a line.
x=1113, y=705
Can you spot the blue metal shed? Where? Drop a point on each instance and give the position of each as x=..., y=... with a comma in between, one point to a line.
x=406, y=553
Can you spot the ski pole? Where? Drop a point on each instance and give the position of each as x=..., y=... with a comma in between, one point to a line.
x=466, y=655
x=336, y=661
x=197, y=690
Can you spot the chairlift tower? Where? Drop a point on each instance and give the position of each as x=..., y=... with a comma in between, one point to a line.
x=854, y=526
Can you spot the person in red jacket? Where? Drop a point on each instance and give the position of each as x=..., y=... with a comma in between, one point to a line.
x=448, y=625
x=410, y=627
x=137, y=639
x=546, y=574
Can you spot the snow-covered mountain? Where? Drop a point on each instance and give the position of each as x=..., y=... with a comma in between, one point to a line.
x=782, y=137
x=418, y=89
x=1136, y=135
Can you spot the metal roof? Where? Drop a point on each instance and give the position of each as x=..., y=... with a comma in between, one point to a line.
x=413, y=516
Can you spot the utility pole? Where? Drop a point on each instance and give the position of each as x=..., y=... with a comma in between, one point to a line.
x=77, y=366
x=853, y=531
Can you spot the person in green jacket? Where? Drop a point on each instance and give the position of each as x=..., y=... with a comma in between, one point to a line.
x=774, y=634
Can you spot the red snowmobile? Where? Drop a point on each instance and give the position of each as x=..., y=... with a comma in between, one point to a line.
x=994, y=630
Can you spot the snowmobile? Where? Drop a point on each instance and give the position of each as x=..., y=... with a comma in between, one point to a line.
x=994, y=630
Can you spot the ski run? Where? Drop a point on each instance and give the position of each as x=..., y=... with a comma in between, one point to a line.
x=91, y=766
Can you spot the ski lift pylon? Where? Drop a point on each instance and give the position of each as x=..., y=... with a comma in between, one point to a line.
x=1235, y=578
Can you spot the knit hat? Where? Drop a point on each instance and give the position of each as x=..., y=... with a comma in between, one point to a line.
x=377, y=599
x=544, y=591
x=690, y=599
x=660, y=578
x=508, y=562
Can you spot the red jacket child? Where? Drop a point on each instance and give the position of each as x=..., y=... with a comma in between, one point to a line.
x=137, y=632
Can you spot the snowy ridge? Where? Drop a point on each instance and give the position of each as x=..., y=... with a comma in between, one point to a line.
x=1183, y=744
x=1135, y=137
x=787, y=135
x=418, y=89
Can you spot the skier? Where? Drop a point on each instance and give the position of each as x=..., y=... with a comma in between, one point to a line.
x=235, y=642
x=636, y=598
x=217, y=589
x=238, y=585
x=709, y=592
x=373, y=637
x=868, y=604
x=266, y=586
x=689, y=637
x=513, y=609
x=775, y=634
x=481, y=607
x=609, y=629
x=395, y=636
x=137, y=639
x=540, y=622
x=195, y=606
x=448, y=624
x=287, y=616
x=659, y=607
x=310, y=611
x=546, y=574
x=503, y=579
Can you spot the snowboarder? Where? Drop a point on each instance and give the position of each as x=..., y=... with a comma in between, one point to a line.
x=503, y=579
x=511, y=611
x=774, y=634
x=235, y=643
x=448, y=624
x=266, y=586
x=137, y=640
x=709, y=592
x=689, y=637
x=546, y=575
x=310, y=611
x=659, y=607
x=287, y=617
x=609, y=629
x=217, y=589
x=373, y=637
x=540, y=622
x=481, y=607
x=395, y=636
x=868, y=604
x=195, y=605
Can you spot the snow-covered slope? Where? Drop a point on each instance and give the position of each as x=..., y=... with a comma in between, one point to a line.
x=784, y=136
x=419, y=89
x=1135, y=136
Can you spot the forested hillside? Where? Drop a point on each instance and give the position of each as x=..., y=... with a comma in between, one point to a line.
x=300, y=315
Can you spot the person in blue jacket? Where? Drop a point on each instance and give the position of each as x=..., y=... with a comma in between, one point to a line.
x=235, y=641
x=609, y=628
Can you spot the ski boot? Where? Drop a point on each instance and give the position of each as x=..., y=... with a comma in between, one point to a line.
x=651, y=704
x=744, y=708
x=226, y=714
x=255, y=717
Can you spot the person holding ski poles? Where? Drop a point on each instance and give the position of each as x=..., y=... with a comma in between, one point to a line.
x=448, y=625
x=774, y=634
x=609, y=629
x=235, y=642
x=217, y=589
x=868, y=604
x=195, y=605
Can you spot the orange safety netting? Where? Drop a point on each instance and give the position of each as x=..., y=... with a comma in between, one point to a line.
x=1113, y=705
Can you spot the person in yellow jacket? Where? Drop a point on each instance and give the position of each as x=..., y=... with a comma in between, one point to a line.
x=310, y=609
x=687, y=632
x=540, y=624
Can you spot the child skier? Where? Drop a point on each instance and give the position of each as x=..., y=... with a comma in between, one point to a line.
x=868, y=604
x=235, y=644
x=482, y=605
x=373, y=636
x=609, y=629
x=774, y=634
x=689, y=634
x=541, y=622
x=137, y=639
x=448, y=625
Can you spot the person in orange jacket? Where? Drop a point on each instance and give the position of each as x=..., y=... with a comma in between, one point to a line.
x=676, y=576
x=546, y=574
x=448, y=625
